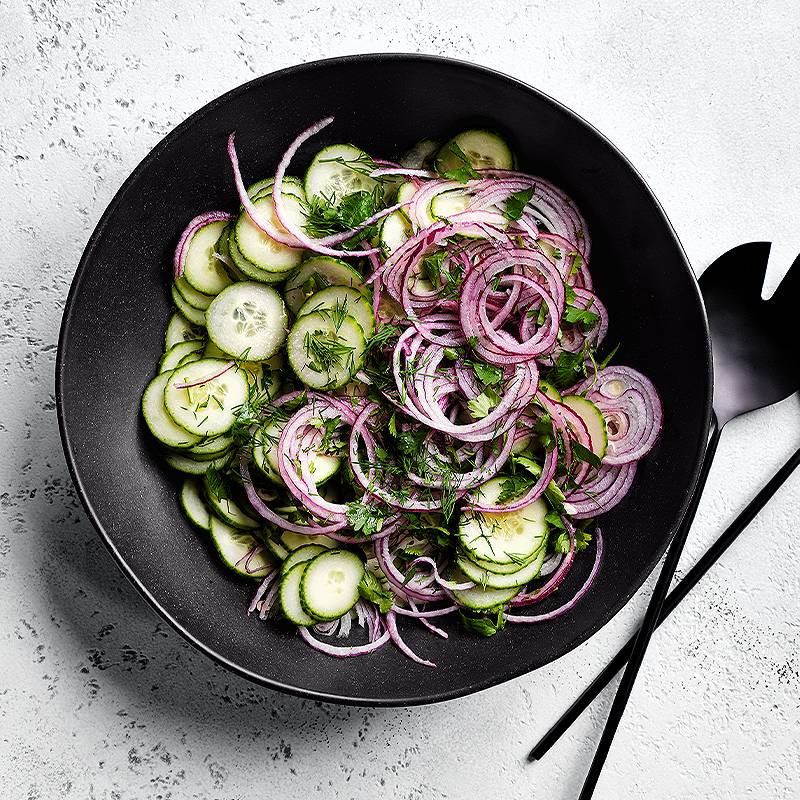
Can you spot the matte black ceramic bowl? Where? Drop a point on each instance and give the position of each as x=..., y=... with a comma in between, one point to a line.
x=112, y=335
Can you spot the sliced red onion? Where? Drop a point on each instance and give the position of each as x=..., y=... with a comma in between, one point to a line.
x=391, y=626
x=340, y=651
x=570, y=604
x=189, y=231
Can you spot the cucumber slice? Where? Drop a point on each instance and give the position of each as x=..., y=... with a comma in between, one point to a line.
x=420, y=154
x=258, y=248
x=406, y=191
x=178, y=352
x=265, y=456
x=395, y=229
x=337, y=171
x=193, y=315
x=159, y=421
x=194, y=298
x=342, y=301
x=211, y=449
x=293, y=540
x=444, y=205
x=507, y=580
x=504, y=569
x=245, y=270
x=201, y=269
x=483, y=149
x=503, y=537
x=191, y=466
x=482, y=599
x=193, y=505
x=593, y=419
x=233, y=547
x=277, y=550
x=290, y=185
x=179, y=329
x=247, y=320
x=548, y=390
x=228, y=510
x=302, y=554
x=207, y=409
x=289, y=596
x=324, y=354
x=318, y=273
x=329, y=585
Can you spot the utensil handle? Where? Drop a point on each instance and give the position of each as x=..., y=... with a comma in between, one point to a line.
x=674, y=599
x=649, y=622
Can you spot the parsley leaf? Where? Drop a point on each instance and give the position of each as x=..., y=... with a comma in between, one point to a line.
x=370, y=589
x=553, y=519
x=364, y=517
x=574, y=314
x=561, y=543
x=487, y=374
x=482, y=405
x=513, y=486
x=582, y=539
x=482, y=625
x=463, y=173
x=515, y=204
x=568, y=369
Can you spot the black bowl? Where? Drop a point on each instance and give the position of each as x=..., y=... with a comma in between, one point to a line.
x=118, y=305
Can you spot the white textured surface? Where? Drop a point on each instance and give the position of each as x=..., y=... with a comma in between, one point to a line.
x=98, y=699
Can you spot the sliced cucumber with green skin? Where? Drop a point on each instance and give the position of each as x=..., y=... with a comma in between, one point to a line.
x=329, y=584
x=277, y=550
x=592, y=418
x=508, y=580
x=191, y=466
x=331, y=175
x=211, y=449
x=193, y=504
x=233, y=547
x=289, y=185
x=292, y=540
x=193, y=315
x=228, y=510
x=258, y=248
x=318, y=273
x=289, y=596
x=503, y=537
x=550, y=391
x=395, y=229
x=420, y=154
x=264, y=375
x=483, y=149
x=176, y=354
x=159, y=420
x=482, y=599
x=342, y=300
x=325, y=355
x=209, y=407
x=406, y=191
x=302, y=554
x=248, y=321
x=194, y=298
x=446, y=204
x=179, y=329
x=245, y=270
x=265, y=456
x=505, y=569
x=201, y=269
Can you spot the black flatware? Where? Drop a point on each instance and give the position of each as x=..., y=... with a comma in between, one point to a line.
x=754, y=366
x=118, y=305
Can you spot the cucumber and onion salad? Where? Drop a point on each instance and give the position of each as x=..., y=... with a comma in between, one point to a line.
x=388, y=389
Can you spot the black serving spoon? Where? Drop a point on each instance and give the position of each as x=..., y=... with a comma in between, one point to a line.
x=754, y=353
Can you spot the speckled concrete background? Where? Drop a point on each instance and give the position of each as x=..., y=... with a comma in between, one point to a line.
x=98, y=699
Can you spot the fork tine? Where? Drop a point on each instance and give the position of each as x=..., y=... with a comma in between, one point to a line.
x=745, y=264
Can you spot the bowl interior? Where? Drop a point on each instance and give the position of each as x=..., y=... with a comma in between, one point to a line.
x=119, y=303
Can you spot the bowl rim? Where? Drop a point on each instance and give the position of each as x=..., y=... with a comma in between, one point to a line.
x=210, y=652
